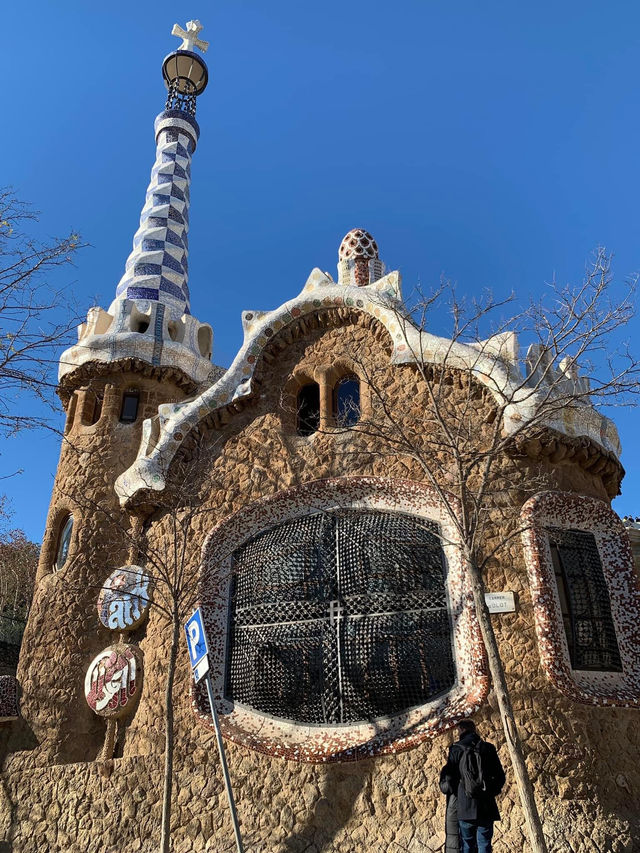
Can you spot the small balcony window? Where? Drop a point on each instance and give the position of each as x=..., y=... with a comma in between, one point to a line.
x=308, y=409
x=94, y=410
x=129, y=409
x=346, y=401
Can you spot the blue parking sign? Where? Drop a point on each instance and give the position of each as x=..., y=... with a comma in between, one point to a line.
x=196, y=638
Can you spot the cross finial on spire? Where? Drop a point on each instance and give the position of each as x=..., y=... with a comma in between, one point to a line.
x=189, y=36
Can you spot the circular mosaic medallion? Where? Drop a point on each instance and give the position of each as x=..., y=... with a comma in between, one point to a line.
x=113, y=681
x=123, y=602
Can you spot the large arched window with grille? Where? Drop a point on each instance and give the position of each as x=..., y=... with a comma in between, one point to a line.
x=340, y=616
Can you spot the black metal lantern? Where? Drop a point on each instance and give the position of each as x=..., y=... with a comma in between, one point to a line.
x=185, y=76
x=187, y=70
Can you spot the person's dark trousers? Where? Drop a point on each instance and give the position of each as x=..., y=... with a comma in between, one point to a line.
x=476, y=836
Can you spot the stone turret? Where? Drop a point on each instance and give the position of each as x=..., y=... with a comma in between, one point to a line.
x=145, y=350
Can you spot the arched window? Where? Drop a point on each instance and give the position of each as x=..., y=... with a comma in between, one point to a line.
x=308, y=409
x=129, y=408
x=71, y=412
x=584, y=601
x=346, y=401
x=94, y=409
x=64, y=540
x=340, y=617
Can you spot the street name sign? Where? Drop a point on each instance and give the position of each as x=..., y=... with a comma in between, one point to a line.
x=500, y=602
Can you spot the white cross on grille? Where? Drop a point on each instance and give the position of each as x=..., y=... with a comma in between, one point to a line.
x=336, y=612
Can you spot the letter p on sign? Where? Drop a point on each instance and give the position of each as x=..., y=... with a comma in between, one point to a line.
x=196, y=638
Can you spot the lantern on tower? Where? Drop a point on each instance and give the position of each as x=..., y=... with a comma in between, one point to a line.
x=185, y=73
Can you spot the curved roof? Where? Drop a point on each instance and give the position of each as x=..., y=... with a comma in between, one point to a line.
x=494, y=363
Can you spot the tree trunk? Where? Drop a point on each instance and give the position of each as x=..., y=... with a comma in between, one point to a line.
x=514, y=744
x=165, y=835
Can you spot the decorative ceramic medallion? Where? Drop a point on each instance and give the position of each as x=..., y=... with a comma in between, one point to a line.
x=123, y=602
x=113, y=681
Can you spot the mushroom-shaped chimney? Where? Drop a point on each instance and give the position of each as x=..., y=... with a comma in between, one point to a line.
x=358, y=259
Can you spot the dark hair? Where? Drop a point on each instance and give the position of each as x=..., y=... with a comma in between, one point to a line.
x=466, y=726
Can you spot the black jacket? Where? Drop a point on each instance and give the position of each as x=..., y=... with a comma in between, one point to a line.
x=452, y=832
x=473, y=808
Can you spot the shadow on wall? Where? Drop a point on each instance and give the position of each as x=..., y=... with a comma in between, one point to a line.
x=341, y=788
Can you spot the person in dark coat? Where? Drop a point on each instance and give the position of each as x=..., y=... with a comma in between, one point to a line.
x=477, y=814
x=449, y=786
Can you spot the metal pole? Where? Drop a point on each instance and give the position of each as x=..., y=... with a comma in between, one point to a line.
x=225, y=769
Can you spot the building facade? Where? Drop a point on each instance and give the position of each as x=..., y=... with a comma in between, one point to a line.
x=289, y=497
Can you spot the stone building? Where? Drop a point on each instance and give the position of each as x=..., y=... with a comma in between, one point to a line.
x=343, y=640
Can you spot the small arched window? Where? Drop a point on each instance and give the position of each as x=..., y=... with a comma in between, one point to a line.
x=64, y=540
x=71, y=412
x=346, y=401
x=308, y=409
x=129, y=408
x=96, y=412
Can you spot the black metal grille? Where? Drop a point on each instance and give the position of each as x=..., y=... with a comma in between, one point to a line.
x=340, y=617
x=584, y=595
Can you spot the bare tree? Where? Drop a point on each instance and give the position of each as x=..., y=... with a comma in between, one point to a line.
x=36, y=317
x=18, y=565
x=484, y=414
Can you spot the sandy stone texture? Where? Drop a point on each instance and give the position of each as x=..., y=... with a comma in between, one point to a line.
x=56, y=795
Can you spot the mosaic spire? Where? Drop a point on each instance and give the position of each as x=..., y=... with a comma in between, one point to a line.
x=157, y=268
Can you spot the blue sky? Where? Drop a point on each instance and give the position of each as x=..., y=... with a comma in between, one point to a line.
x=495, y=143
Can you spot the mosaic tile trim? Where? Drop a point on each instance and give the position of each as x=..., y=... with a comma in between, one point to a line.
x=157, y=267
x=345, y=742
x=569, y=511
x=114, y=335
x=8, y=698
x=381, y=300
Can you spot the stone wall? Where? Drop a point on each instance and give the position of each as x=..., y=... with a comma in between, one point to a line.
x=62, y=633
x=387, y=804
x=583, y=759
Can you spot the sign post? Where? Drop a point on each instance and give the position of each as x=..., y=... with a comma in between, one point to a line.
x=199, y=655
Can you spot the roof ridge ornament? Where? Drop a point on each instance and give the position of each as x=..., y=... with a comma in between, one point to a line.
x=189, y=36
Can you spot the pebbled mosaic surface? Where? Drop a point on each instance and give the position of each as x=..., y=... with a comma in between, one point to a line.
x=571, y=512
x=339, y=742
